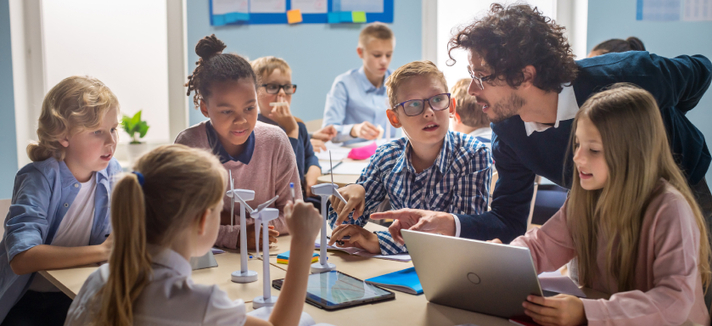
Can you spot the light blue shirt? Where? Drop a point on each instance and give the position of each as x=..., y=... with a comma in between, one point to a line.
x=42, y=195
x=352, y=100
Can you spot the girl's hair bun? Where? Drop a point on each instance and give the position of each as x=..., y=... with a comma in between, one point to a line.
x=209, y=46
x=635, y=44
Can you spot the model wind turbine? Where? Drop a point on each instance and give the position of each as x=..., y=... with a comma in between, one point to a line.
x=264, y=215
x=325, y=190
x=243, y=195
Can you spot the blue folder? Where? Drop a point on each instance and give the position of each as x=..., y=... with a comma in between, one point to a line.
x=404, y=280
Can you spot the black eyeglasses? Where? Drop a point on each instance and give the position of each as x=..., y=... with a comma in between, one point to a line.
x=416, y=107
x=479, y=80
x=289, y=89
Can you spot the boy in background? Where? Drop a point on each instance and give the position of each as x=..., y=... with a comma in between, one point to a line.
x=469, y=117
x=357, y=102
x=431, y=168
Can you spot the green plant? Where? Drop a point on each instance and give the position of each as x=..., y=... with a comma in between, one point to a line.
x=134, y=126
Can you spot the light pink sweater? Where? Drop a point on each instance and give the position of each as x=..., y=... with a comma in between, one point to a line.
x=667, y=280
x=271, y=169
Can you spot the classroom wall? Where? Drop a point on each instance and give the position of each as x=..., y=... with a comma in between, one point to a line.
x=317, y=53
x=616, y=19
x=8, y=145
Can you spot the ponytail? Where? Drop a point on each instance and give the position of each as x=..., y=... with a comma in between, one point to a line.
x=130, y=263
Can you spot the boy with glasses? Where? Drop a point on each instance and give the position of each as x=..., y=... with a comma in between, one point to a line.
x=431, y=168
x=356, y=103
x=274, y=96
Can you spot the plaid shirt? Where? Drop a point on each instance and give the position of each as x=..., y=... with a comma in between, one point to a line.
x=458, y=182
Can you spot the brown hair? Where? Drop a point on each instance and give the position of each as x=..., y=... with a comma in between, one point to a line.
x=180, y=184
x=376, y=30
x=215, y=66
x=636, y=150
x=415, y=68
x=617, y=45
x=511, y=38
x=466, y=106
x=264, y=66
x=74, y=104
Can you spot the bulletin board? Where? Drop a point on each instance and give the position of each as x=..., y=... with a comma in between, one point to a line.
x=237, y=12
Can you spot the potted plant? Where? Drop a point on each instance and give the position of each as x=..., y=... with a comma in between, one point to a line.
x=137, y=129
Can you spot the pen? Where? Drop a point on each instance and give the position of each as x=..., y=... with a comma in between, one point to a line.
x=332, y=169
x=291, y=190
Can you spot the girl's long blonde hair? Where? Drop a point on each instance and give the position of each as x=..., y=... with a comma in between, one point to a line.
x=180, y=184
x=636, y=150
x=74, y=104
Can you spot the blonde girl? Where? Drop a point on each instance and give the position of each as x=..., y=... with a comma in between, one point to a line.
x=630, y=220
x=163, y=213
x=59, y=216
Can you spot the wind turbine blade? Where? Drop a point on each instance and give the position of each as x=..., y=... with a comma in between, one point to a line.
x=265, y=204
x=242, y=202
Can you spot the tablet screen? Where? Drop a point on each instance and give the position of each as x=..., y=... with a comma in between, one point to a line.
x=331, y=290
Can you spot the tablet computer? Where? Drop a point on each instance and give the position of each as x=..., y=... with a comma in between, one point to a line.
x=335, y=290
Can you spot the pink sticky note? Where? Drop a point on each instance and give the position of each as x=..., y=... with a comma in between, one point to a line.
x=362, y=153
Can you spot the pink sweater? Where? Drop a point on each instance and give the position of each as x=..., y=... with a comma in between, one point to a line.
x=667, y=281
x=271, y=169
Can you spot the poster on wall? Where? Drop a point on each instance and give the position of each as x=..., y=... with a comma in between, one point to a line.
x=674, y=10
x=235, y=12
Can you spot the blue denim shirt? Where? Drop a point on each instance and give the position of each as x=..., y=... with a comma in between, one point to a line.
x=353, y=99
x=42, y=194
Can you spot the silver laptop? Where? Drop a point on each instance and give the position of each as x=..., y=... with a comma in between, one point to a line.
x=204, y=261
x=474, y=275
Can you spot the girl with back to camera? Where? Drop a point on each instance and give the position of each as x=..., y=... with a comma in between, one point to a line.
x=163, y=213
x=59, y=215
x=259, y=155
x=630, y=220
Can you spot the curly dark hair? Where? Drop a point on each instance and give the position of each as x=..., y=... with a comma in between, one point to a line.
x=514, y=37
x=215, y=66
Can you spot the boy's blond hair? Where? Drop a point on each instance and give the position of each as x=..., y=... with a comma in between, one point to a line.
x=75, y=104
x=264, y=66
x=466, y=106
x=412, y=69
x=375, y=30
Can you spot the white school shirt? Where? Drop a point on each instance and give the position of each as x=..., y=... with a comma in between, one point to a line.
x=74, y=230
x=170, y=297
x=566, y=109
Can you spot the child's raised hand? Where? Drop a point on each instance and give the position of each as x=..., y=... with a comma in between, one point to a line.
x=283, y=117
x=559, y=310
x=358, y=237
x=355, y=201
x=304, y=222
x=365, y=130
x=495, y=240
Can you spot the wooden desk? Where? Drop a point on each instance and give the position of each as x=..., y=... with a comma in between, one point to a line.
x=340, y=180
x=406, y=309
x=70, y=281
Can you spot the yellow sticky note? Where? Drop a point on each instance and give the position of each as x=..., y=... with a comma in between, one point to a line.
x=294, y=16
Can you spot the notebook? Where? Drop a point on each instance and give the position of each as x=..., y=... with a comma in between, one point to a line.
x=283, y=258
x=404, y=280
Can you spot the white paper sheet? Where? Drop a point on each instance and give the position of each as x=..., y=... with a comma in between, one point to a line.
x=310, y=6
x=338, y=153
x=350, y=168
x=697, y=10
x=555, y=282
x=221, y=7
x=375, y=6
x=268, y=6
